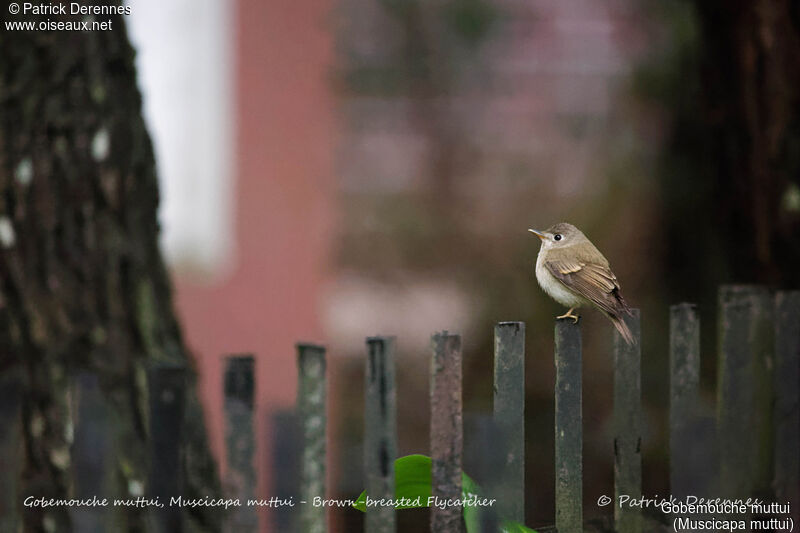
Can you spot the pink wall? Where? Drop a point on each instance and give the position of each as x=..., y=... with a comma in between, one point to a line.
x=284, y=211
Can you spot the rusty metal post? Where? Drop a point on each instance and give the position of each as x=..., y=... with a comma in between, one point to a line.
x=684, y=385
x=92, y=453
x=11, y=386
x=446, y=431
x=240, y=441
x=568, y=427
x=744, y=390
x=167, y=399
x=628, y=425
x=311, y=406
x=380, y=433
x=787, y=400
x=509, y=417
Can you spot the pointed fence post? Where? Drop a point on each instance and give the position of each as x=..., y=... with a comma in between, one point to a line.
x=380, y=433
x=167, y=384
x=787, y=401
x=568, y=427
x=509, y=417
x=240, y=441
x=311, y=406
x=446, y=431
x=628, y=425
x=684, y=386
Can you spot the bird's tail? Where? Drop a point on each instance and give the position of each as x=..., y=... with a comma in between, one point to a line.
x=623, y=329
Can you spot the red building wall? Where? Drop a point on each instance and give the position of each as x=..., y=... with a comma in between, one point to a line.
x=284, y=212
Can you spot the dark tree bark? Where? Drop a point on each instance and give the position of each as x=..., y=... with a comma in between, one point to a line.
x=751, y=74
x=82, y=283
x=732, y=164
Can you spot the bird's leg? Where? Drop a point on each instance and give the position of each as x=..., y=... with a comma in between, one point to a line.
x=569, y=314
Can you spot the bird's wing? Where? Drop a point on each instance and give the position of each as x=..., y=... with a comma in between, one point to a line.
x=593, y=281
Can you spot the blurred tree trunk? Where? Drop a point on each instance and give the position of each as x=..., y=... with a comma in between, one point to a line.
x=82, y=283
x=750, y=79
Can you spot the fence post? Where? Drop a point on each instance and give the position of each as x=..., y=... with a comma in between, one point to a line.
x=568, y=427
x=166, y=396
x=744, y=390
x=11, y=386
x=286, y=451
x=380, y=432
x=684, y=383
x=787, y=400
x=92, y=453
x=446, y=430
x=311, y=404
x=484, y=459
x=240, y=441
x=509, y=416
x=628, y=425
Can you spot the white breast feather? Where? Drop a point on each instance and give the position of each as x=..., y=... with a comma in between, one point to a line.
x=554, y=288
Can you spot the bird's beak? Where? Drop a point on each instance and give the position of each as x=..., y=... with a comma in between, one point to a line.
x=539, y=234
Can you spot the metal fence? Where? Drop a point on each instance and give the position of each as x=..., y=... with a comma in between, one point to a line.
x=756, y=441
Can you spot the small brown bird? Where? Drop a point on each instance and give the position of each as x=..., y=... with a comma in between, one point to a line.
x=572, y=271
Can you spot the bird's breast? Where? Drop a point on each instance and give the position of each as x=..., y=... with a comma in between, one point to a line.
x=553, y=287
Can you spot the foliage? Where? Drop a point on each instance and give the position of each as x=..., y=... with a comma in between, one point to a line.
x=412, y=478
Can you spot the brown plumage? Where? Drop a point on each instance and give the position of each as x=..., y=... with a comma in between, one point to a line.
x=572, y=271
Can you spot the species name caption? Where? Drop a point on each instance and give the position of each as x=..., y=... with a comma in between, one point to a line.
x=226, y=503
x=712, y=514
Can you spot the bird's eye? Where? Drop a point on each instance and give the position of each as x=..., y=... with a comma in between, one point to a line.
x=557, y=237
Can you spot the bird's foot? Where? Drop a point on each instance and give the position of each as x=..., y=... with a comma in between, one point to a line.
x=569, y=314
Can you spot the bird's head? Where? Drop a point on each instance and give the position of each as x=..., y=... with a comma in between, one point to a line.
x=559, y=235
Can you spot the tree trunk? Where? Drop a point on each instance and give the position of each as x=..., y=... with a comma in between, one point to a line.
x=83, y=287
x=750, y=73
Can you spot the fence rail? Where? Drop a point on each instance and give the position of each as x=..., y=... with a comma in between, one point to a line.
x=757, y=423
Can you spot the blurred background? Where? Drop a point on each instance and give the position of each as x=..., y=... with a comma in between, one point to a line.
x=334, y=169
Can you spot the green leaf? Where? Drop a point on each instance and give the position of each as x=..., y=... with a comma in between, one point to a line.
x=412, y=482
x=509, y=526
x=412, y=488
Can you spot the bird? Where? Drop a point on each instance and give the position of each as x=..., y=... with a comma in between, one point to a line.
x=573, y=272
